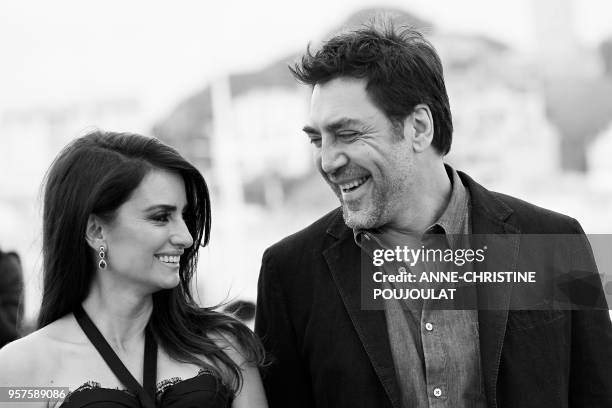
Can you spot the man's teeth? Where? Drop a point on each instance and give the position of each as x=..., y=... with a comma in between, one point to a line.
x=168, y=259
x=353, y=184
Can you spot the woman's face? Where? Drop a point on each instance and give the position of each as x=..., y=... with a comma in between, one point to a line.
x=148, y=235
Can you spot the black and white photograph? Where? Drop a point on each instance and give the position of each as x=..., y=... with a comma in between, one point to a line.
x=319, y=204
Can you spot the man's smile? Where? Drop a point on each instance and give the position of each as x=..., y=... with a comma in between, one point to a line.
x=353, y=185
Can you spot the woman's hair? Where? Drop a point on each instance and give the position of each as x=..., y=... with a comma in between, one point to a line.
x=96, y=174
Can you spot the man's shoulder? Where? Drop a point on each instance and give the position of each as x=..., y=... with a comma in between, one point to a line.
x=315, y=232
x=526, y=217
x=294, y=258
x=531, y=218
x=312, y=236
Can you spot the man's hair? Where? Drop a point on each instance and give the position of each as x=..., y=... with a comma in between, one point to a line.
x=401, y=67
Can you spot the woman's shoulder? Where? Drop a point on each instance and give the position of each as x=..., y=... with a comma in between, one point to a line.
x=20, y=360
x=251, y=392
x=30, y=359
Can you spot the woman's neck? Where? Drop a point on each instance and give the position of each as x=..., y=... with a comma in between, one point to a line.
x=120, y=315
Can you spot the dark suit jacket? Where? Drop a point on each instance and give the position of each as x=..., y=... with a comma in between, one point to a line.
x=328, y=352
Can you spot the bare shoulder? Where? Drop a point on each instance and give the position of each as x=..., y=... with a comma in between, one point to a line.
x=251, y=394
x=31, y=360
x=19, y=360
x=25, y=364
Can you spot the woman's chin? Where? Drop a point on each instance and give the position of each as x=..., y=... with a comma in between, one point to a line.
x=171, y=284
x=168, y=282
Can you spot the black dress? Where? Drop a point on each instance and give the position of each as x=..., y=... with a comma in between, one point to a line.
x=203, y=390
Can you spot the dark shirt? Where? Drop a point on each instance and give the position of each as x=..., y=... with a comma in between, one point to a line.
x=435, y=352
x=204, y=390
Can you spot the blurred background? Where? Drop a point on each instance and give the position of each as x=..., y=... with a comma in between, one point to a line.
x=530, y=85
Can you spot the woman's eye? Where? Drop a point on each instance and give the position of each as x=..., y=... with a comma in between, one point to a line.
x=161, y=218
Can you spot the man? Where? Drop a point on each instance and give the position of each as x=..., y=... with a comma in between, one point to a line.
x=380, y=125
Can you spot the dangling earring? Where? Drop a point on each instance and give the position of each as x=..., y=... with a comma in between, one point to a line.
x=102, y=255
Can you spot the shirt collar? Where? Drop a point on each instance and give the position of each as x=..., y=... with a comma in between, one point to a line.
x=454, y=215
x=453, y=219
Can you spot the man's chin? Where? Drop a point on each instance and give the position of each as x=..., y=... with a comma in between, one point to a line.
x=359, y=219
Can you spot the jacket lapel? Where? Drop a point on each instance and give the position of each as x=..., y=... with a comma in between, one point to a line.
x=489, y=227
x=344, y=260
x=489, y=216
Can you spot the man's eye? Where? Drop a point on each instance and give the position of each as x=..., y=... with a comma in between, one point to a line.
x=348, y=134
x=315, y=141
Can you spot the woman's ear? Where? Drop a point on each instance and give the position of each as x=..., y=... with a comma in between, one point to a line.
x=94, y=234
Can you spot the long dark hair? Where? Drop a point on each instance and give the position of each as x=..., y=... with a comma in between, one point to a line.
x=96, y=174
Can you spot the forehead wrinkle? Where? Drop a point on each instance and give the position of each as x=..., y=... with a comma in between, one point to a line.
x=342, y=122
x=336, y=124
x=344, y=103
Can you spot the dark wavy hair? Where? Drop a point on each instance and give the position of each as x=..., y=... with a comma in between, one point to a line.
x=96, y=174
x=401, y=67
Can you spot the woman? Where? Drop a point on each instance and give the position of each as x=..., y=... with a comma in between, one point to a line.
x=124, y=217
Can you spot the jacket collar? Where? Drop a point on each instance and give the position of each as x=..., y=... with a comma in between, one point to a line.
x=483, y=203
x=492, y=226
x=489, y=216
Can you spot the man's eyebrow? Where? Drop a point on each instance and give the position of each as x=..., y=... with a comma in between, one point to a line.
x=334, y=126
x=310, y=130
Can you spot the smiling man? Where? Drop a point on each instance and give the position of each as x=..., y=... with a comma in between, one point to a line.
x=380, y=125
x=376, y=167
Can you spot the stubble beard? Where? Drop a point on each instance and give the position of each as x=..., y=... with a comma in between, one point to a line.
x=366, y=218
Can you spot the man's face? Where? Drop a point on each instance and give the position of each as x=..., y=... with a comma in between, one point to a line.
x=365, y=160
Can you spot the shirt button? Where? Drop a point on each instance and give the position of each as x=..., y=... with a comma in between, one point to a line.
x=401, y=269
x=429, y=327
x=437, y=392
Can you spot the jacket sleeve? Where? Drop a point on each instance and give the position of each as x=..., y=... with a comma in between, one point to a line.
x=285, y=377
x=11, y=287
x=591, y=330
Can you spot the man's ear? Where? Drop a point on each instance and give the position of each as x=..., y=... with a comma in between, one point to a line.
x=94, y=234
x=420, y=123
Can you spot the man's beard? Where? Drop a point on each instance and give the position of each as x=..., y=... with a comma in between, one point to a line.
x=366, y=218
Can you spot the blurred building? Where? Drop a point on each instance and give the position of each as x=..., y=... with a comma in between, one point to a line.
x=535, y=126
x=499, y=111
x=577, y=92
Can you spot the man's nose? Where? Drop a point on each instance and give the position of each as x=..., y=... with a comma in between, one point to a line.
x=333, y=157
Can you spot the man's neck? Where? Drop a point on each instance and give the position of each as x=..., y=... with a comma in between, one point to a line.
x=430, y=196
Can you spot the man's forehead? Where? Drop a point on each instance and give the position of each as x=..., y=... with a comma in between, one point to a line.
x=341, y=101
x=343, y=88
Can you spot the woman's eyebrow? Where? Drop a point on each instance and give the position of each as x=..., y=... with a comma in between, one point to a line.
x=166, y=207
